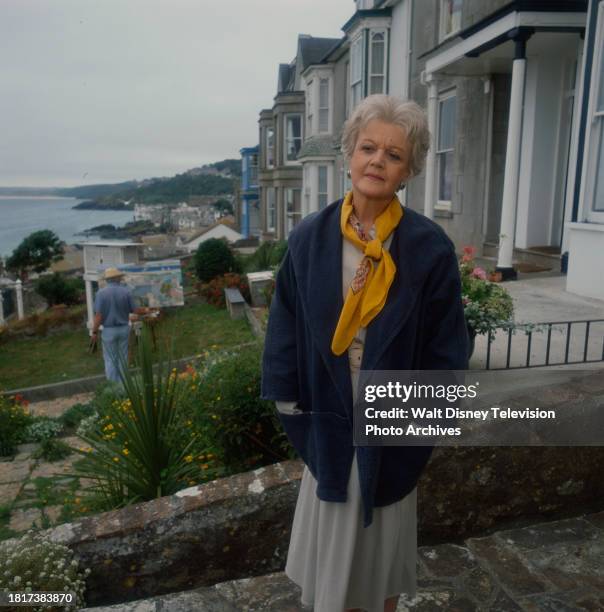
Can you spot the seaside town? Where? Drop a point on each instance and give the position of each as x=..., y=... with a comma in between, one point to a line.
x=180, y=393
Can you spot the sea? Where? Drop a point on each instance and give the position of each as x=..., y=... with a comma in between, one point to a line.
x=20, y=216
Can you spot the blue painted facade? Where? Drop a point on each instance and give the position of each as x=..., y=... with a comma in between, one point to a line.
x=249, y=214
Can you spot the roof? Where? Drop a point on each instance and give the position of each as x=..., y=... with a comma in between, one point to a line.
x=313, y=50
x=110, y=243
x=318, y=146
x=286, y=77
x=229, y=221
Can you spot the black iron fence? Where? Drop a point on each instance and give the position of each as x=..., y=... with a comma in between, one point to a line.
x=532, y=345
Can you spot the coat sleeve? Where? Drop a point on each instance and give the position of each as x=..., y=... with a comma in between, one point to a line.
x=279, y=360
x=446, y=342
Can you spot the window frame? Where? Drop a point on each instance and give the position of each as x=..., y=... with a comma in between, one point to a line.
x=286, y=139
x=270, y=147
x=271, y=210
x=292, y=217
x=595, y=144
x=383, y=75
x=357, y=43
x=309, y=105
x=443, y=9
x=323, y=111
x=444, y=205
x=325, y=169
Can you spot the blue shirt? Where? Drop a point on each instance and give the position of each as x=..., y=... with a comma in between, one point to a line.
x=114, y=303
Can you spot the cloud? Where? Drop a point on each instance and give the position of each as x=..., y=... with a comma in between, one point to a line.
x=180, y=82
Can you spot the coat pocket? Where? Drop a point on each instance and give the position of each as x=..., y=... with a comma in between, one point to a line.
x=324, y=442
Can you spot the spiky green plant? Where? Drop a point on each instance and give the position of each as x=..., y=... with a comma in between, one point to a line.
x=131, y=458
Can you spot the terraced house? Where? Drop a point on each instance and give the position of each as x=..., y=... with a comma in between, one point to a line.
x=515, y=98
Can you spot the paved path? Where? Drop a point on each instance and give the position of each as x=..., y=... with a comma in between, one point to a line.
x=543, y=298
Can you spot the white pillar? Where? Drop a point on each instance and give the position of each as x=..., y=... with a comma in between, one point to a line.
x=429, y=192
x=1, y=308
x=89, y=304
x=512, y=165
x=19, y=292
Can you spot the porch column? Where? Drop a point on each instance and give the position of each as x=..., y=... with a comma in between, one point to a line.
x=429, y=192
x=19, y=293
x=89, y=304
x=512, y=159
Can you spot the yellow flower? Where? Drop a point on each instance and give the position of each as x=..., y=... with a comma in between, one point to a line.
x=210, y=455
x=116, y=459
x=126, y=452
x=189, y=458
x=77, y=500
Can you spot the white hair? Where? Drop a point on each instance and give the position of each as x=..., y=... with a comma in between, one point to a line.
x=406, y=114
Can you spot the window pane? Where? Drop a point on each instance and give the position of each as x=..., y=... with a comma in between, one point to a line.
x=356, y=94
x=598, y=203
x=446, y=127
x=601, y=76
x=293, y=136
x=323, y=93
x=322, y=200
x=322, y=179
x=377, y=85
x=293, y=126
x=356, y=68
x=445, y=176
x=323, y=120
x=377, y=56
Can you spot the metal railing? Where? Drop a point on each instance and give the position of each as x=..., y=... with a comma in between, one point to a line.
x=582, y=341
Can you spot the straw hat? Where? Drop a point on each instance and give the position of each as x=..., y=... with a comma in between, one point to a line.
x=111, y=273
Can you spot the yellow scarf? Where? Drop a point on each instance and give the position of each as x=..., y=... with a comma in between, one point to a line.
x=369, y=288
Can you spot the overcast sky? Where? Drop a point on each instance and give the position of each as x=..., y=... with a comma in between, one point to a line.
x=96, y=91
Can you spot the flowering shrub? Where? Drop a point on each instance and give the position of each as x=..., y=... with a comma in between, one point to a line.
x=34, y=563
x=14, y=421
x=43, y=428
x=487, y=305
x=213, y=291
x=242, y=430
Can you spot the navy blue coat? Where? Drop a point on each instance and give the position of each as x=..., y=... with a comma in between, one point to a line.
x=421, y=327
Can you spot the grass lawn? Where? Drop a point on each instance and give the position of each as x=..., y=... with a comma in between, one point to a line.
x=61, y=356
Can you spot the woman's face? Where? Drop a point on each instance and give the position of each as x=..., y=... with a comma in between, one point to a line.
x=379, y=162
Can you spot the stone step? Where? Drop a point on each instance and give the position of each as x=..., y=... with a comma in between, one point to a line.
x=548, y=566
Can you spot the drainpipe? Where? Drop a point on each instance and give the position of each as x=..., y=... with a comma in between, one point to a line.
x=512, y=157
x=429, y=192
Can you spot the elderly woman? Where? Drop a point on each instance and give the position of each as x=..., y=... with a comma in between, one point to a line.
x=365, y=284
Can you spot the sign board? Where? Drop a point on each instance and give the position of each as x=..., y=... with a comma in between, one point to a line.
x=156, y=283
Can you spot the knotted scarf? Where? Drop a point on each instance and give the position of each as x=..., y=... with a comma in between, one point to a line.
x=369, y=288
